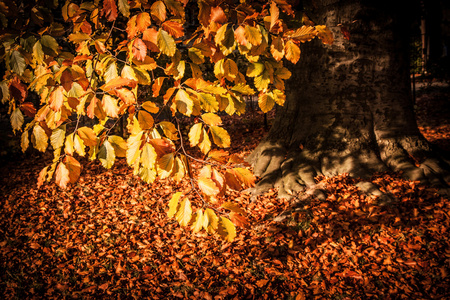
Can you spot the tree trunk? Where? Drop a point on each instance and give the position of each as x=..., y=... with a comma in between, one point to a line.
x=348, y=106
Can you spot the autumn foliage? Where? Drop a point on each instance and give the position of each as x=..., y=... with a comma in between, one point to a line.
x=74, y=70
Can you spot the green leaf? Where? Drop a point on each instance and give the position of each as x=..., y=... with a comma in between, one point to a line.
x=184, y=214
x=226, y=229
x=49, y=45
x=220, y=137
x=166, y=43
x=17, y=119
x=107, y=155
x=58, y=136
x=17, y=62
x=173, y=204
x=39, y=138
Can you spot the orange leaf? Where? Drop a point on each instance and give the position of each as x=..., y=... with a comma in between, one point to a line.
x=28, y=108
x=208, y=187
x=325, y=34
x=88, y=136
x=157, y=84
x=274, y=14
x=139, y=49
x=218, y=15
x=239, y=219
x=277, y=48
x=131, y=27
x=239, y=35
x=18, y=90
x=66, y=80
x=74, y=168
x=126, y=96
x=56, y=98
x=110, y=10
x=62, y=176
x=158, y=11
x=118, y=82
x=150, y=38
x=143, y=21
x=175, y=29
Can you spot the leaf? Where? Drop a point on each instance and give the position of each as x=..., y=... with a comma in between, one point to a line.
x=277, y=48
x=173, y=204
x=41, y=178
x=253, y=35
x=175, y=29
x=184, y=214
x=226, y=229
x=150, y=107
x=62, y=176
x=88, y=136
x=303, y=34
x=169, y=130
x=325, y=34
x=117, y=83
x=279, y=97
x=39, y=138
x=198, y=223
x=239, y=35
x=58, y=136
x=69, y=144
x=38, y=54
x=74, y=168
x=218, y=15
x=17, y=119
x=109, y=75
x=56, y=99
x=24, y=141
x=266, y=102
x=124, y=7
x=119, y=145
x=165, y=163
x=207, y=186
x=139, y=49
x=184, y=103
x=233, y=207
x=195, y=134
x=274, y=14
x=110, y=10
x=166, y=43
x=49, y=45
x=208, y=102
x=126, y=96
x=220, y=136
x=255, y=69
x=143, y=21
x=78, y=145
x=158, y=11
x=230, y=69
x=148, y=156
x=106, y=154
x=210, y=221
x=245, y=176
x=145, y=120
x=133, y=147
x=17, y=63
x=243, y=89
x=157, y=84
x=109, y=105
x=205, y=143
x=292, y=52
x=219, y=155
x=78, y=37
x=18, y=90
x=212, y=119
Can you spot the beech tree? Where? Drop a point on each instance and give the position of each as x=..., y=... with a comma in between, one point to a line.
x=74, y=69
x=348, y=105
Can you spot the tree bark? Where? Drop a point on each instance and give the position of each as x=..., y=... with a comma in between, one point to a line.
x=348, y=106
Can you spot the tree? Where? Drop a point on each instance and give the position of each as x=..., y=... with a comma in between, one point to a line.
x=348, y=105
x=76, y=69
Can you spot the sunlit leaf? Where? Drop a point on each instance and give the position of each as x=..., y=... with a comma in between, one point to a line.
x=220, y=136
x=39, y=138
x=62, y=176
x=109, y=105
x=195, y=134
x=110, y=10
x=24, y=141
x=252, y=35
x=233, y=207
x=175, y=29
x=133, y=147
x=74, y=168
x=207, y=186
x=158, y=11
x=143, y=21
x=173, y=204
x=184, y=102
x=106, y=154
x=17, y=119
x=303, y=34
x=166, y=43
x=87, y=135
x=226, y=229
x=148, y=156
x=124, y=7
x=277, y=48
x=325, y=34
x=58, y=136
x=198, y=223
x=212, y=119
x=292, y=52
x=119, y=145
x=184, y=213
x=169, y=130
x=145, y=120
x=266, y=102
x=210, y=221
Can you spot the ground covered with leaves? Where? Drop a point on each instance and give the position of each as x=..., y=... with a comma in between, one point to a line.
x=108, y=236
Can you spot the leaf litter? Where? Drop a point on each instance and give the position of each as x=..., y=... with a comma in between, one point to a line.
x=109, y=236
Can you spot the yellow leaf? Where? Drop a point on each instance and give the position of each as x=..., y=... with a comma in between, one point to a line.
x=230, y=69
x=147, y=175
x=88, y=136
x=220, y=137
x=283, y=73
x=148, y=156
x=253, y=35
x=158, y=11
x=208, y=187
x=184, y=103
x=325, y=34
x=255, y=69
x=266, y=102
x=210, y=220
x=173, y=204
x=303, y=34
x=62, y=176
x=245, y=176
x=226, y=229
x=292, y=52
x=119, y=145
x=57, y=137
x=208, y=102
x=133, y=147
x=106, y=155
x=109, y=105
x=166, y=43
x=262, y=81
x=212, y=119
x=196, y=55
x=143, y=21
x=150, y=107
x=17, y=119
x=124, y=7
x=184, y=214
x=205, y=143
x=68, y=146
x=165, y=163
x=24, y=141
x=195, y=134
x=78, y=145
x=279, y=97
x=39, y=138
x=169, y=130
x=78, y=37
x=56, y=99
x=198, y=223
x=128, y=73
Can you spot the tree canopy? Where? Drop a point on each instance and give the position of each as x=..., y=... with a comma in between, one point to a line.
x=74, y=69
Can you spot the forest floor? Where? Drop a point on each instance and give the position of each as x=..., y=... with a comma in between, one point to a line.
x=108, y=236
